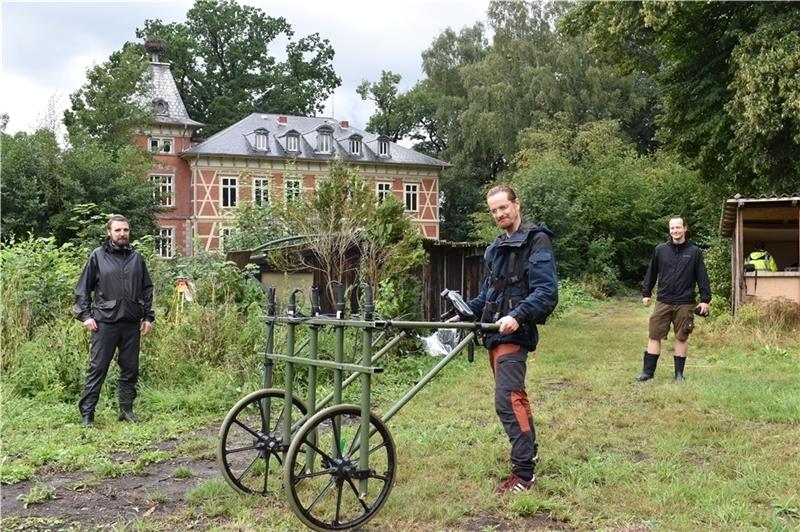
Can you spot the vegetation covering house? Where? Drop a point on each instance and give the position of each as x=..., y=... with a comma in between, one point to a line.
x=262, y=158
x=775, y=222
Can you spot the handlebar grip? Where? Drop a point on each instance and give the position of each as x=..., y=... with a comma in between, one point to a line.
x=315, y=310
x=369, y=307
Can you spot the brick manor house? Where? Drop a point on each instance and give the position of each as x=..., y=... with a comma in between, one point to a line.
x=263, y=157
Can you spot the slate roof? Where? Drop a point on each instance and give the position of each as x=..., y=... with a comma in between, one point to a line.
x=165, y=97
x=240, y=140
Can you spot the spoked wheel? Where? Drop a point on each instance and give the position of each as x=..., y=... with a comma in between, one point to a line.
x=333, y=493
x=251, y=451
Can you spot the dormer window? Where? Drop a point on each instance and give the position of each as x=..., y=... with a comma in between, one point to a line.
x=261, y=139
x=324, y=140
x=383, y=148
x=355, y=145
x=161, y=107
x=292, y=143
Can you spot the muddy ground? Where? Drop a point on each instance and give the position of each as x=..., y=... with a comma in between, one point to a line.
x=83, y=502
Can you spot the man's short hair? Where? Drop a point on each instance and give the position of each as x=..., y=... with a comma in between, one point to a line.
x=512, y=196
x=679, y=217
x=116, y=218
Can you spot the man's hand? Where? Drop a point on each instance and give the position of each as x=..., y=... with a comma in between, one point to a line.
x=145, y=327
x=90, y=325
x=454, y=319
x=704, y=309
x=646, y=301
x=507, y=325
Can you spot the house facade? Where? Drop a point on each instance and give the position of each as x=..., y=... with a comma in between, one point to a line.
x=265, y=158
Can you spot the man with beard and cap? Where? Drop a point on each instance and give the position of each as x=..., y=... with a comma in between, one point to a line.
x=678, y=267
x=519, y=290
x=114, y=300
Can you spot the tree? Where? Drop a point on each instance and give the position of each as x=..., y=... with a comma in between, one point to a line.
x=726, y=80
x=224, y=70
x=478, y=97
x=391, y=117
x=108, y=108
x=607, y=204
x=43, y=184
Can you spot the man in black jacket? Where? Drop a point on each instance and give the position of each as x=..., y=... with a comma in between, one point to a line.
x=519, y=290
x=114, y=300
x=678, y=266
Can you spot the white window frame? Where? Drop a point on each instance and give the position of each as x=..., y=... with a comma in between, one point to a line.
x=228, y=201
x=383, y=189
x=261, y=191
x=411, y=197
x=293, y=192
x=324, y=142
x=261, y=140
x=165, y=242
x=292, y=143
x=383, y=148
x=355, y=146
x=165, y=193
x=158, y=145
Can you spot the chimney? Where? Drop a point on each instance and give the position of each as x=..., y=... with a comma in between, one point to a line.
x=344, y=124
x=282, y=120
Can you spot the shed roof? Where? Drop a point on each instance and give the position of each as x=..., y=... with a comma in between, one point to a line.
x=731, y=205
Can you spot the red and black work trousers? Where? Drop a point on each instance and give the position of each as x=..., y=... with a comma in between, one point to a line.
x=509, y=364
x=106, y=339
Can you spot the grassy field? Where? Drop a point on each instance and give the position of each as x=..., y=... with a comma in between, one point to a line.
x=717, y=452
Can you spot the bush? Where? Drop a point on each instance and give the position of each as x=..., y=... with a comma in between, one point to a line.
x=780, y=313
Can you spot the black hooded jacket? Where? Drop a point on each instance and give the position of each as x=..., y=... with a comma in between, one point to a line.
x=114, y=286
x=678, y=268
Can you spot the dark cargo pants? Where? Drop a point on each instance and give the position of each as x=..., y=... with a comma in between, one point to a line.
x=509, y=363
x=105, y=340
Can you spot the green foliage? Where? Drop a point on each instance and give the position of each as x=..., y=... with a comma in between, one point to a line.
x=255, y=225
x=223, y=63
x=391, y=118
x=478, y=97
x=607, y=204
x=38, y=278
x=725, y=78
x=108, y=108
x=43, y=185
x=717, y=255
x=38, y=494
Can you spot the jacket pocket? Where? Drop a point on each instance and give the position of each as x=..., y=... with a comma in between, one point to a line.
x=106, y=305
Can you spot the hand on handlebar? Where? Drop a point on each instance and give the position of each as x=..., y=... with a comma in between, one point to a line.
x=507, y=325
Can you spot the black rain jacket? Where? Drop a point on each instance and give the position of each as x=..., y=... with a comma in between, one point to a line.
x=678, y=268
x=527, y=302
x=114, y=286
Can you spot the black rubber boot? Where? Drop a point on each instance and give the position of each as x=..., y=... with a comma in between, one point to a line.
x=649, y=367
x=126, y=414
x=680, y=362
x=87, y=419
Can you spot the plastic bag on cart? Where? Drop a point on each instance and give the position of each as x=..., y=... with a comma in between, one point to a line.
x=442, y=341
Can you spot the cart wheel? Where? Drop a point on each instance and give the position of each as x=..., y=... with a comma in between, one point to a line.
x=329, y=496
x=251, y=451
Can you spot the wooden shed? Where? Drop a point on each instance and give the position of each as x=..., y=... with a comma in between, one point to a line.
x=775, y=222
x=453, y=265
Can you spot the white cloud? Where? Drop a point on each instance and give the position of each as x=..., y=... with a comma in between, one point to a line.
x=47, y=47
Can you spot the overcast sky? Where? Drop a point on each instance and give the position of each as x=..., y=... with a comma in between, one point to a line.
x=48, y=46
